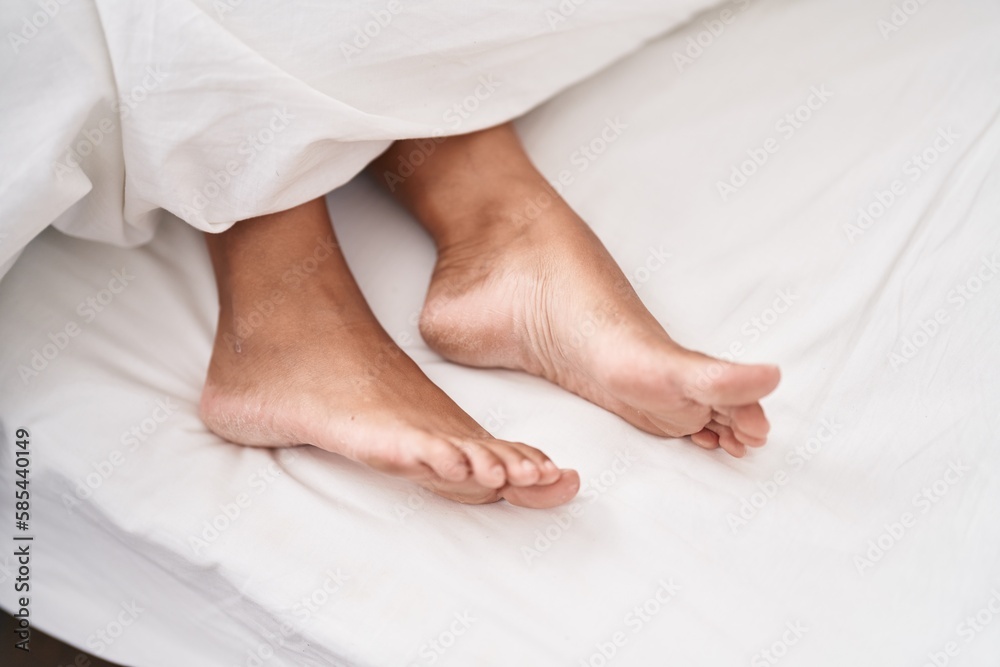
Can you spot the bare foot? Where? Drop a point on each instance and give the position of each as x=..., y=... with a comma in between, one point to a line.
x=541, y=294
x=313, y=366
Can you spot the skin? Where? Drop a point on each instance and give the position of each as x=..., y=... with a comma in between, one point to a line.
x=511, y=289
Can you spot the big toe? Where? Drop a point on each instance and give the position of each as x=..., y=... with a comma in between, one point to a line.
x=543, y=496
x=716, y=382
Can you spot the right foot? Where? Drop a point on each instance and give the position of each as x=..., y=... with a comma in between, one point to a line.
x=320, y=370
x=535, y=290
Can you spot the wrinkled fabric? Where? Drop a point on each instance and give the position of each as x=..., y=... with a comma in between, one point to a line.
x=120, y=113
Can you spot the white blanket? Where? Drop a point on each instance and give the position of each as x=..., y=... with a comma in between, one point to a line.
x=863, y=534
x=220, y=110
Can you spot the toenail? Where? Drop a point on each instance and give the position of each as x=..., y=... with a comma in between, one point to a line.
x=550, y=466
x=496, y=471
x=527, y=465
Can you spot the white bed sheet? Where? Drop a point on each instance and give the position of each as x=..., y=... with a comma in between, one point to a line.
x=858, y=433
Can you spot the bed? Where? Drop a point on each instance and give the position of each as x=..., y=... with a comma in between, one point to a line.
x=814, y=184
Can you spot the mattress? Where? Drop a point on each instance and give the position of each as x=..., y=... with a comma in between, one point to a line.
x=814, y=184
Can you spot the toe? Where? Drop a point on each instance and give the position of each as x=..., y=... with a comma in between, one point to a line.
x=548, y=472
x=487, y=468
x=548, y=495
x=720, y=383
x=706, y=439
x=444, y=459
x=747, y=439
x=727, y=439
x=750, y=419
x=721, y=417
x=521, y=470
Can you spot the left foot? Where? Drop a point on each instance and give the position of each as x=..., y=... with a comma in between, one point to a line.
x=543, y=295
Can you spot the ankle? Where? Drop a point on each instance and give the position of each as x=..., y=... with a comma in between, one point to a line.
x=511, y=212
x=279, y=312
